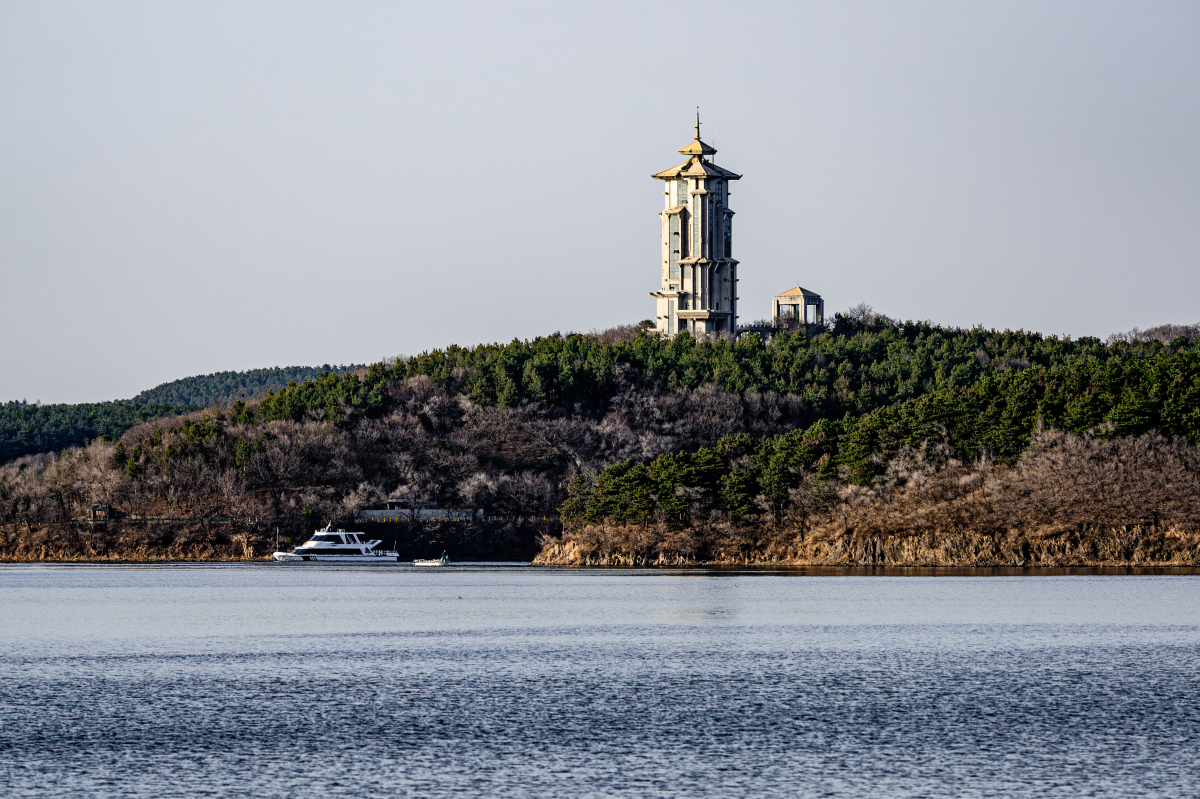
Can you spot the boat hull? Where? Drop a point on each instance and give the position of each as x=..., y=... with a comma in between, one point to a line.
x=377, y=560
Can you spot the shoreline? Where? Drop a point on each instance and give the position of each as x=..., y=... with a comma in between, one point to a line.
x=838, y=546
x=798, y=569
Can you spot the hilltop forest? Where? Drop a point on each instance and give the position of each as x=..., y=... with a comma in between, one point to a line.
x=30, y=428
x=225, y=387
x=876, y=441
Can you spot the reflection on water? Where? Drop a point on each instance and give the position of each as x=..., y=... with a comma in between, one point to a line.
x=259, y=680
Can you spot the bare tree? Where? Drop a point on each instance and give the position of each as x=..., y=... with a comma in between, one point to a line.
x=1164, y=334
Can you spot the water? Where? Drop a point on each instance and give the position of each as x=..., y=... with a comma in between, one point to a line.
x=293, y=681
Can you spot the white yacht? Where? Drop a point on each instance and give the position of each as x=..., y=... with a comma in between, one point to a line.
x=327, y=546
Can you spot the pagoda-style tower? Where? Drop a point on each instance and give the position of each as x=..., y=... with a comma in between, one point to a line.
x=699, y=272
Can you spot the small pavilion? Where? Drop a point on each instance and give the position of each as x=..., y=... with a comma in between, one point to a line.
x=799, y=306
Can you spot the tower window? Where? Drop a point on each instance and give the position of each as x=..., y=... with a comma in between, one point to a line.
x=681, y=198
x=673, y=246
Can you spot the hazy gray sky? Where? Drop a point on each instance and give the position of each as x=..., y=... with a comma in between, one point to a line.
x=193, y=187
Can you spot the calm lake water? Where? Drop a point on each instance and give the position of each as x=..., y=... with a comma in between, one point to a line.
x=272, y=680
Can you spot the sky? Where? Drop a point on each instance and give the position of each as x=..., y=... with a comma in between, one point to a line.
x=194, y=187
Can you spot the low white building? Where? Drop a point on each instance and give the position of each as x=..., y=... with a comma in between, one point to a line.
x=419, y=514
x=699, y=272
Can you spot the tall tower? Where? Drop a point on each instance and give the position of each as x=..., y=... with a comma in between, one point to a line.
x=699, y=272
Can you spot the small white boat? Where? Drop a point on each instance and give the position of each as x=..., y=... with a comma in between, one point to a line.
x=442, y=561
x=327, y=546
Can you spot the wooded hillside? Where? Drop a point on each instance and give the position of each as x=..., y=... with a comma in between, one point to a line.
x=627, y=429
x=27, y=429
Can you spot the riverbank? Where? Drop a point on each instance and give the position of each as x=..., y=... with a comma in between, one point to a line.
x=718, y=544
x=224, y=541
x=746, y=545
x=135, y=543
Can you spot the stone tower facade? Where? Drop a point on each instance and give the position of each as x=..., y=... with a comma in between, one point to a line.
x=699, y=272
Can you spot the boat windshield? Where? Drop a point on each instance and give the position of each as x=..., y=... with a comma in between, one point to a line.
x=328, y=551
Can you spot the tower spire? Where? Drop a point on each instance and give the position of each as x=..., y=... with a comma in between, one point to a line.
x=697, y=123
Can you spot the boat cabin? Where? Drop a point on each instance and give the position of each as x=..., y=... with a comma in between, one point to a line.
x=340, y=537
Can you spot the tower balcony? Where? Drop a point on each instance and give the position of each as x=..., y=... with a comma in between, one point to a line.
x=702, y=314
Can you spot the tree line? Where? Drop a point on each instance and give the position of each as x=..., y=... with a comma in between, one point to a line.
x=859, y=366
x=225, y=387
